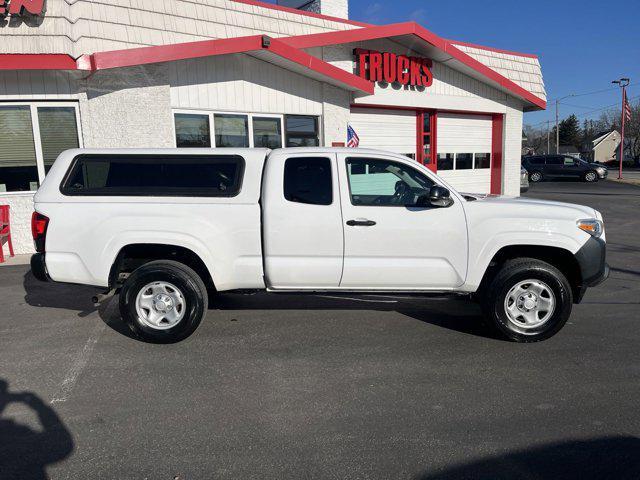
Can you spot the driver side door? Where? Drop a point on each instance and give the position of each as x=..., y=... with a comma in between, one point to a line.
x=389, y=243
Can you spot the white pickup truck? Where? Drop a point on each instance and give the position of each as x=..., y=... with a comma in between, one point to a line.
x=170, y=228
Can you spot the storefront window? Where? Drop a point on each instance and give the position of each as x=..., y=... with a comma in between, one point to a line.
x=231, y=130
x=192, y=131
x=58, y=132
x=301, y=131
x=18, y=167
x=464, y=161
x=445, y=161
x=267, y=132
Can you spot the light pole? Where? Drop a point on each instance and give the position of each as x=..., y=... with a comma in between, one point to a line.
x=557, y=127
x=622, y=83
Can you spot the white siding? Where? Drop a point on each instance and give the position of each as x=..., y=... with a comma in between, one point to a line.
x=393, y=130
x=459, y=133
x=242, y=83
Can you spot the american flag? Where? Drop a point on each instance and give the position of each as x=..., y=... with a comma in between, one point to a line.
x=626, y=108
x=352, y=137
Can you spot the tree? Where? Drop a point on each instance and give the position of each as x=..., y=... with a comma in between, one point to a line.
x=570, y=131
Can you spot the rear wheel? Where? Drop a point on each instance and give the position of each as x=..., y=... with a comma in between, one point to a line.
x=535, y=177
x=163, y=301
x=528, y=300
x=590, y=176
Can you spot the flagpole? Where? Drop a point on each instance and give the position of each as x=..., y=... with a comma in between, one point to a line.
x=623, y=82
x=624, y=117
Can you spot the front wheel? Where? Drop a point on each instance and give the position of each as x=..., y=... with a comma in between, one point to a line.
x=591, y=176
x=163, y=301
x=528, y=300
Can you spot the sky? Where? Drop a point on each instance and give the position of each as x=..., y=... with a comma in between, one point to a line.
x=582, y=45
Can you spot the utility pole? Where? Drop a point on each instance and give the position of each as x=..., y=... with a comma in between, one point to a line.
x=548, y=137
x=558, y=126
x=622, y=83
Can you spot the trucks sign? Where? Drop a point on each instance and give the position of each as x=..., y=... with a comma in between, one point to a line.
x=21, y=7
x=393, y=68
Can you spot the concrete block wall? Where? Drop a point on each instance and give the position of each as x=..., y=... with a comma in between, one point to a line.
x=20, y=210
x=127, y=108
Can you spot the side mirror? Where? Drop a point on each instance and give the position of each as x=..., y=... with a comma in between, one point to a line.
x=439, y=197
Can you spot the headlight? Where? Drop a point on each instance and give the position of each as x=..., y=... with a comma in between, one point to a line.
x=600, y=170
x=591, y=226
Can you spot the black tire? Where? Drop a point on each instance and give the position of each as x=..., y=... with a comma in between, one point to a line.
x=590, y=177
x=535, y=177
x=185, y=279
x=511, y=274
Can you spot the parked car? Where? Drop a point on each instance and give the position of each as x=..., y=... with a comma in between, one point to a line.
x=542, y=167
x=169, y=229
x=524, y=180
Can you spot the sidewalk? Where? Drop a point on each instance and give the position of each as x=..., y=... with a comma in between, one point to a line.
x=17, y=260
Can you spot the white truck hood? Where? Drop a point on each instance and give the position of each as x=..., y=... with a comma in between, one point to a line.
x=586, y=212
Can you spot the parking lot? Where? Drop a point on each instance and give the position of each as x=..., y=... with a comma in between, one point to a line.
x=325, y=387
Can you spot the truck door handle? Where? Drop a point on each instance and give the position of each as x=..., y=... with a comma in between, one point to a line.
x=361, y=223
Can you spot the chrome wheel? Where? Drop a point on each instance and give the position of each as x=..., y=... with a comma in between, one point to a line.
x=535, y=177
x=160, y=305
x=529, y=305
x=590, y=176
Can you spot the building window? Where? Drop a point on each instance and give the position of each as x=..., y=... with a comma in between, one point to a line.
x=464, y=161
x=308, y=180
x=267, y=132
x=445, y=161
x=32, y=136
x=192, y=131
x=58, y=132
x=231, y=130
x=302, y=131
x=483, y=160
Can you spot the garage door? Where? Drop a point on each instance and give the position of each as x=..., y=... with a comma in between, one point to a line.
x=393, y=130
x=464, y=151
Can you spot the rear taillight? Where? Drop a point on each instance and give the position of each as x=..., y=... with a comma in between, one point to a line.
x=39, y=224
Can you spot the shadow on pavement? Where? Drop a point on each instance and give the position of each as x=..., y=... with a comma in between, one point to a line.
x=616, y=457
x=24, y=452
x=449, y=313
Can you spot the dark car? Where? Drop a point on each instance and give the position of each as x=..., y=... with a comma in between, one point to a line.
x=541, y=167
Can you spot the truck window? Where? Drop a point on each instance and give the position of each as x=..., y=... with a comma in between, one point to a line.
x=374, y=182
x=308, y=180
x=155, y=175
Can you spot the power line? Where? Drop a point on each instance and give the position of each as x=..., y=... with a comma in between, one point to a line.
x=613, y=105
x=610, y=89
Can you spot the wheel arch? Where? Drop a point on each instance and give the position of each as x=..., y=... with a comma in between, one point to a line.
x=134, y=255
x=561, y=258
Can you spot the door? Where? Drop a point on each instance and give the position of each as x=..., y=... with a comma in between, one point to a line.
x=464, y=154
x=572, y=167
x=554, y=166
x=302, y=222
x=392, y=130
x=390, y=244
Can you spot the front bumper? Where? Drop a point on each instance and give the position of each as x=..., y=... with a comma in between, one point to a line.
x=39, y=267
x=592, y=259
x=603, y=175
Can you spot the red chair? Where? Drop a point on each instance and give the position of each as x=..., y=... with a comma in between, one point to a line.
x=5, y=231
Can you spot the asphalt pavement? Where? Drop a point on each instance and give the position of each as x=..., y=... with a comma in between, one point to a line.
x=293, y=387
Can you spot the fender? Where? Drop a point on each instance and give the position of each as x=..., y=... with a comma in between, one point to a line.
x=493, y=245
